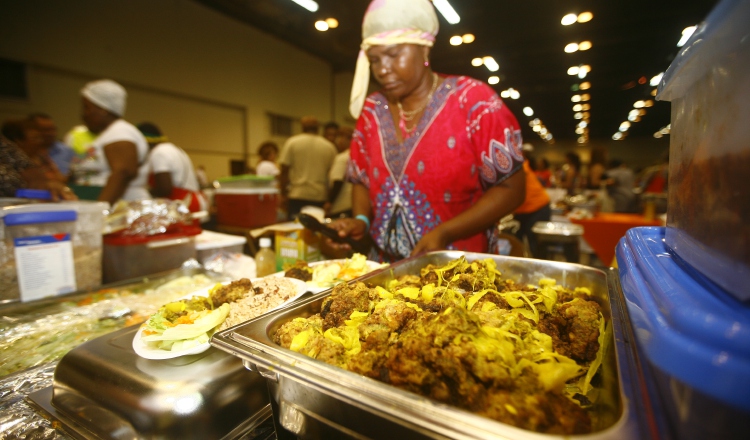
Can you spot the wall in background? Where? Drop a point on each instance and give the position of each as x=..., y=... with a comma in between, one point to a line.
x=209, y=81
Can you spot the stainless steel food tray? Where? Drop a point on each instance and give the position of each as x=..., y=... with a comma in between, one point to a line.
x=103, y=390
x=312, y=399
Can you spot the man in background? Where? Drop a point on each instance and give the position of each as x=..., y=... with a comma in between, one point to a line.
x=57, y=151
x=305, y=161
x=171, y=172
x=330, y=131
x=340, y=194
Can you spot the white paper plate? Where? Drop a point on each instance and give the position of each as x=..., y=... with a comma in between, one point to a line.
x=314, y=288
x=144, y=351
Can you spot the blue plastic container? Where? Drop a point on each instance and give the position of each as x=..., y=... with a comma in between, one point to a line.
x=694, y=334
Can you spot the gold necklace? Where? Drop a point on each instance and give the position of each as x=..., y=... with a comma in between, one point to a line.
x=409, y=115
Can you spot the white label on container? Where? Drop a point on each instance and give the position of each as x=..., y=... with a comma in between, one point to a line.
x=45, y=266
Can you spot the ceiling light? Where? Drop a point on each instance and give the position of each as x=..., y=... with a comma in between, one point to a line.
x=578, y=115
x=543, y=131
x=634, y=112
x=332, y=23
x=548, y=137
x=476, y=62
x=321, y=25
x=447, y=11
x=583, y=124
x=456, y=40
x=584, y=45
x=656, y=80
x=658, y=135
x=505, y=94
x=493, y=80
x=624, y=126
x=579, y=130
x=571, y=47
x=528, y=111
x=665, y=130
x=585, y=107
x=686, y=34
x=582, y=74
x=583, y=17
x=585, y=97
x=574, y=88
x=585, y=85
x=654, y=92
x=586, y=68
x=577, y=108
x=617, y=136
x=581, y=140
x=515, y=94
x=634, y=118
x=575, y=98
x=310, y=5
x=536, y=121
x=537, y=128
x=642, y=112
x=569, y=19
x=648, y=103
x=639, y=104
x=573, y=70
x=468, y=38
x=491, y=64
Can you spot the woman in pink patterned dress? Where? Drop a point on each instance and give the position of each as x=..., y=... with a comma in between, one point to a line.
x=435, y=159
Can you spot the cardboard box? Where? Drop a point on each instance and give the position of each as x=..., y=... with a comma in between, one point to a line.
x=292, y=242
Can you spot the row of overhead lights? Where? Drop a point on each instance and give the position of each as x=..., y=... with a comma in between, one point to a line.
x=581, y=107
x=639, y=107
x=538, y=127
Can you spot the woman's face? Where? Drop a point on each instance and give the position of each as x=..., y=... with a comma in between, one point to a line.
x=95, y=117
x=398, y=68
x=32, y=143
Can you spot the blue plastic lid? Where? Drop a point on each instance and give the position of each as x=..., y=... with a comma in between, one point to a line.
x=41, y=194
x=687, y=326
x=28, y=218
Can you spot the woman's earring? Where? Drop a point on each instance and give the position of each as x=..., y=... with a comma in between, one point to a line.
x=426, y=63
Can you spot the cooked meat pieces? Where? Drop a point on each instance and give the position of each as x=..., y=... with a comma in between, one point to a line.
x=343, y=301
x=232, y=292
x=485, y=360
x=300, y=271
x=574, y=328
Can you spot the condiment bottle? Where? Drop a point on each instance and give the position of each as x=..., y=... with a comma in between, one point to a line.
x=265, y=258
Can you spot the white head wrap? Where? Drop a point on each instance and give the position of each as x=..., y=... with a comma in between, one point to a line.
x=107, y=94
x=389, y=22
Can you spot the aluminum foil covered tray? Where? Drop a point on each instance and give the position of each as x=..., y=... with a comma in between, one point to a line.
x=312, y=399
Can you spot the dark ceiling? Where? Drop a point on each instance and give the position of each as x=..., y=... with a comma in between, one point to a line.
x=631, y=39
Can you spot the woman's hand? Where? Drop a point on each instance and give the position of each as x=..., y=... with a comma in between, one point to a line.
x=434, y=240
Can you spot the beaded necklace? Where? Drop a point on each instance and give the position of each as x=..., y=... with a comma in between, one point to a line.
x=405, y=116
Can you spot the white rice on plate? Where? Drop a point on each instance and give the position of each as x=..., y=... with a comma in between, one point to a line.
x=276, y=291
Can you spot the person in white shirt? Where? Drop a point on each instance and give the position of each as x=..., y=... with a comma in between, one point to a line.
x=116, y=160
x=268, y=152
x=172, y=175
x=340, y=193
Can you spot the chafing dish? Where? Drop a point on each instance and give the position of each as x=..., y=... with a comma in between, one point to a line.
x=103, y=390
x=312, y=399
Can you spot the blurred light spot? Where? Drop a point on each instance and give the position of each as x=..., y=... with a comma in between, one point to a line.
x=571, y=47
x=528, y=111
x=584, y=45
x=468, y=38
x=583, y=17
x=585, y=85
x=332, y=23
x=476, y=62
x=569, y=19
x=321, y=25
x=456, y=40
x=686, y=34
x=493, y=79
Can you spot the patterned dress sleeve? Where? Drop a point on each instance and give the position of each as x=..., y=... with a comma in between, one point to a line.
x=12, y=162
x=359, y=162
x=494, y=133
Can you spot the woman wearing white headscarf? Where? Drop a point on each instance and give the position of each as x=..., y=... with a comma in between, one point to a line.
x=116, y=160
x=435, y=159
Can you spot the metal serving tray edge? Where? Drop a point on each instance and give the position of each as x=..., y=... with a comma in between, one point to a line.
x=309, y=394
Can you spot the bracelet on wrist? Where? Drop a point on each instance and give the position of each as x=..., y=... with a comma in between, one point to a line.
x=364, y=219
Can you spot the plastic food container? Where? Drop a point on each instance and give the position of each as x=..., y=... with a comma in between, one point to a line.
x=694, y=335
x=103, y=390
x=708, y=84
x=312, y=399
x=128, y=257
x=246, y=207
x=83, y=229
x=208, y=243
